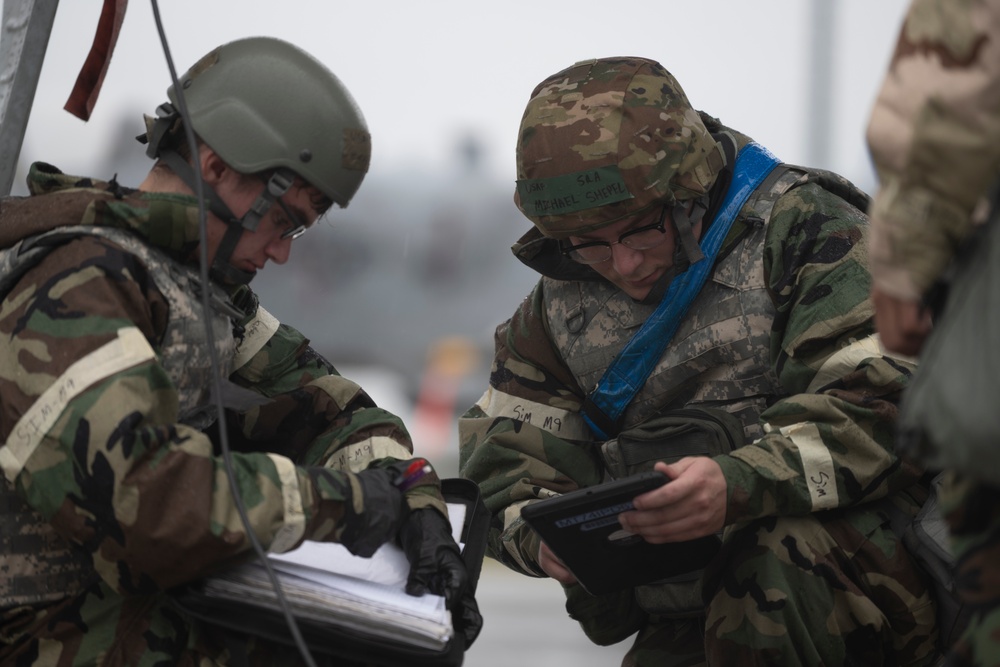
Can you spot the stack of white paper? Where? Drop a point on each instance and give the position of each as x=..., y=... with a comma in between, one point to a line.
x=325, y=582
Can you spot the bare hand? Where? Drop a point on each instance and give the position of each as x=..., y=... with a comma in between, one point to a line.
x=691, y=505
x=902, y=325
x=554, y=567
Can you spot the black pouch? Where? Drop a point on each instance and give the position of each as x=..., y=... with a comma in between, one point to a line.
x=329, y=642
x=670, y=436
x=606, y=619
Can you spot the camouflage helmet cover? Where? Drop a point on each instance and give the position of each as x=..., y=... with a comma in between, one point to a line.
x=609, y=138
x=262, y=103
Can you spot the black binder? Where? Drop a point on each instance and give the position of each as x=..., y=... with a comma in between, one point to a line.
x=330, y=643
x=582, y=529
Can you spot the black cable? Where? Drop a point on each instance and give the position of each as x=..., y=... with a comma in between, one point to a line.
x=213, y=353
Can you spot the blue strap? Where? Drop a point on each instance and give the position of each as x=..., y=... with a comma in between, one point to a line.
x=626, y=375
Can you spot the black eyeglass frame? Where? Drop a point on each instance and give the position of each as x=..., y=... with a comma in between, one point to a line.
x=298, y=227
x=659, y=225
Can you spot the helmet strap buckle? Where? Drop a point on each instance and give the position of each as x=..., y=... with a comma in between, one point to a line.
x=687, y=252
x=685, y=223
x=277, y=185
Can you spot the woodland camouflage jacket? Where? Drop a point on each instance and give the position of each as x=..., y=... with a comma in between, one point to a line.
x=114, y=488
x=781, y=336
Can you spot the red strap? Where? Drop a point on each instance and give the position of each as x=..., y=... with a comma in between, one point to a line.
x=88, y=84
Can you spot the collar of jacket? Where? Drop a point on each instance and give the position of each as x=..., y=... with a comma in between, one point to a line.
x=166, y=221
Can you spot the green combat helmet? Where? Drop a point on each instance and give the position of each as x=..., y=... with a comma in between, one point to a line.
x=265, y=107
x=606, y=139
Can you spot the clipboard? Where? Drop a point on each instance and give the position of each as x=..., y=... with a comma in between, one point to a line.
x=582, y=529
x=331, y=643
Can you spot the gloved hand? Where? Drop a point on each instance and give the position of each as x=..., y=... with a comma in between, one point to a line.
x=372, y=519
x=436, y=566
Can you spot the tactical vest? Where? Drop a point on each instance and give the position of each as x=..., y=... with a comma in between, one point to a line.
x=38, y=565
x=720, y=353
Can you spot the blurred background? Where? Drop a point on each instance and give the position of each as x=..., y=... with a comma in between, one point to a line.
x=403, y=289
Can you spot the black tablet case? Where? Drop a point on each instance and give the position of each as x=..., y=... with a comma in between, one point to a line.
x=330, y=644
x=582, y=529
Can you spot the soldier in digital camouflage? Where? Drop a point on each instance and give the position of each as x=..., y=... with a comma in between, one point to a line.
x=934, y=136
x=632, y=192
x=115, y=490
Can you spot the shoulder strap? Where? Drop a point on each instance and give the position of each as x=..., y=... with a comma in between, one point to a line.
x=622, y=380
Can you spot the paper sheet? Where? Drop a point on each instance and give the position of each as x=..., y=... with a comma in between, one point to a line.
x=388, y=565
x=325, y=581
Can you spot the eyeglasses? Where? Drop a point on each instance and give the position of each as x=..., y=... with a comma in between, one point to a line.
x=296, y=227
x=276, y=185
x=641, y=238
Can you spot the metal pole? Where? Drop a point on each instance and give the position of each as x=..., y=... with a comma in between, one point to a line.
x=820, y=84
x=24, y=38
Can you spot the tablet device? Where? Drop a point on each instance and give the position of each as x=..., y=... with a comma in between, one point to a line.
x=582, y=529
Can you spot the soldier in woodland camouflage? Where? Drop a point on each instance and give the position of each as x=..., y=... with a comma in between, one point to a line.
x=623, y=180
x=934, y=136
x=114, y=489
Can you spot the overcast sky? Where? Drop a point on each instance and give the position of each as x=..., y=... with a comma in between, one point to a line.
x=428, y=73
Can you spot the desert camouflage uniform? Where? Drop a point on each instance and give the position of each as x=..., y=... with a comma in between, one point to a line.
x=934, y=135
x=781, y=336
x=114, y=490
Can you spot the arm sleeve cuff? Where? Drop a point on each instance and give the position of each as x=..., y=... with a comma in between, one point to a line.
x=742, y=485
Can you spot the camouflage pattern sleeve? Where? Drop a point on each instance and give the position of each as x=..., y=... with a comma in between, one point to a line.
x=827, y=444
x=934, y=136
x=315, y=416
x=525, y=439
x=93, y=443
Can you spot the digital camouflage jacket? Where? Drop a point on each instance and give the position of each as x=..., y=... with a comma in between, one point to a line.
x=114, y=489
x=781, y=336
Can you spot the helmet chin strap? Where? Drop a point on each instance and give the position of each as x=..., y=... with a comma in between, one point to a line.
x=277, y=185
x=687, y=252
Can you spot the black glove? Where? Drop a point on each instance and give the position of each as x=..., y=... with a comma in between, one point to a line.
x=373, y=519
x=436, y=566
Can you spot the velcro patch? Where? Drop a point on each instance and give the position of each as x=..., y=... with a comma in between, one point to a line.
x=357, y=149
